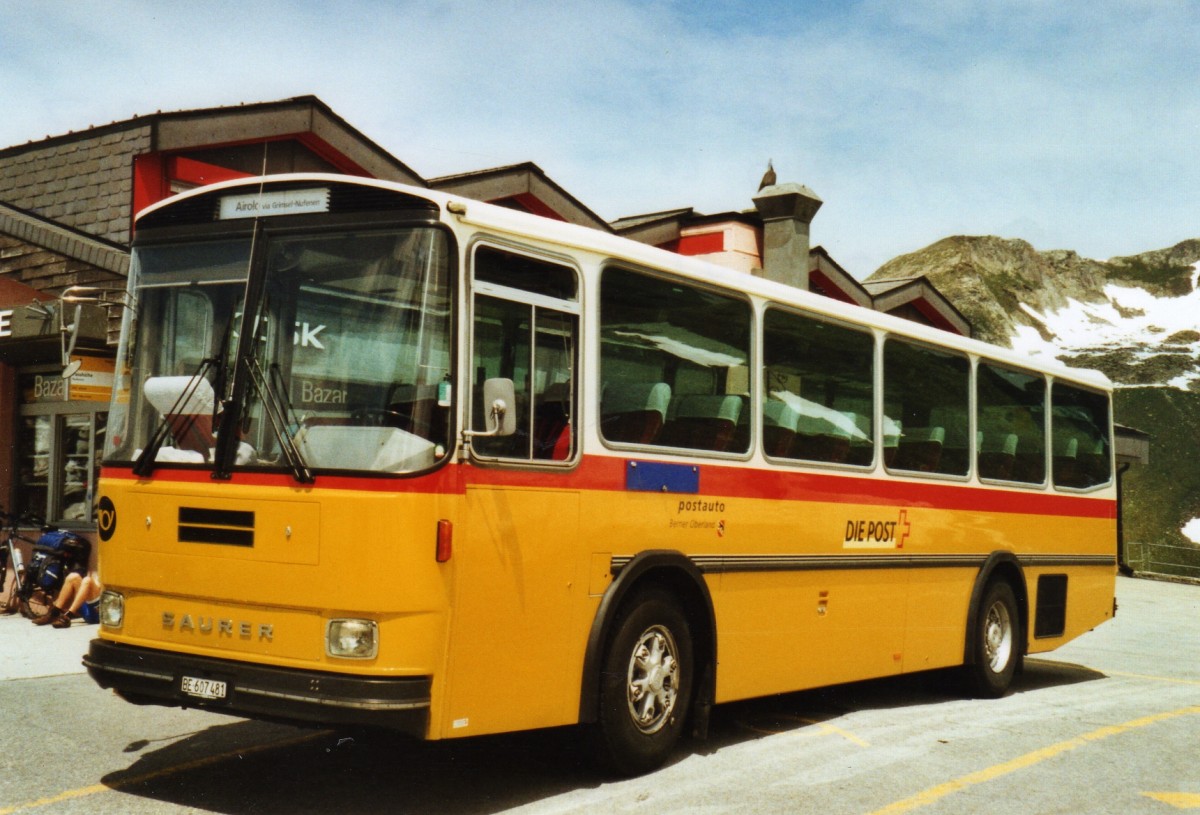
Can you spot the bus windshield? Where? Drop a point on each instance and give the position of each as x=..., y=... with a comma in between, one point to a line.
x=315, y=351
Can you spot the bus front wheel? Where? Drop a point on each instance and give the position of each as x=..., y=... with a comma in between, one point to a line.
x=645, y=685
x=997, y=649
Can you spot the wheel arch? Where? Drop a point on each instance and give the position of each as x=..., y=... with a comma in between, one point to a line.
x=676, y=573
x=1003, y=566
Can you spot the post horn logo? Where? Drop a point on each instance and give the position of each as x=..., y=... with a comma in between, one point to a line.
x=106, y=518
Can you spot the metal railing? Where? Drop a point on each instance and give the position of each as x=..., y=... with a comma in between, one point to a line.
x=1165, y=558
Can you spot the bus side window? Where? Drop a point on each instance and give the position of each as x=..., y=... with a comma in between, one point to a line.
x=1079, y=432
x=553, y=395
x=926, y=392
x=519, y=334
x=819, y=390
x=1011, y=429
x=674, y=364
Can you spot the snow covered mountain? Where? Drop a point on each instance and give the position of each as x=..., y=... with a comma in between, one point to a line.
x=1135, y=318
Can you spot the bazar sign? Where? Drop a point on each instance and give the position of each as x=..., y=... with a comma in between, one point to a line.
x=93, y=382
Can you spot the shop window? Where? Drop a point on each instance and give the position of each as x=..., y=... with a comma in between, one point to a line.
x=58, y=447
x=33, y=445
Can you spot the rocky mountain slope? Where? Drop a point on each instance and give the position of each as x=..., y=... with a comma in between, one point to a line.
x=1135, y=318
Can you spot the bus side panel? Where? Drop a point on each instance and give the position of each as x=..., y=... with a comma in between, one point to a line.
x=788, y=615
x=828, y=602
x=937, y=612
x=521, y=613
x=940, y=598
x=1089, y=602
x=783, y=631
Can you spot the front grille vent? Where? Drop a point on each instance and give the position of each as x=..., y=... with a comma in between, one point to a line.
x=219, y=526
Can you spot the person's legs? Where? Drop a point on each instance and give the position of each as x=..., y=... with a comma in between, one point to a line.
x=89, y=590
x=66, y=595
x=86, y=589
x=69, y=590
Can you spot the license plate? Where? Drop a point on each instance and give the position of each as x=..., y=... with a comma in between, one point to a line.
x=203, y=688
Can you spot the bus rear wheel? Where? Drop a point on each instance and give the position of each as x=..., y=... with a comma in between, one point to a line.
x=997, y=649
x=645, y=685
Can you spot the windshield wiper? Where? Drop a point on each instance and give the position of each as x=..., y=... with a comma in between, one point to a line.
x=278, y=412
x=235, y=398
x=143, y=466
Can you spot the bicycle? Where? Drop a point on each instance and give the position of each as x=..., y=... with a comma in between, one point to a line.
x=18, y=594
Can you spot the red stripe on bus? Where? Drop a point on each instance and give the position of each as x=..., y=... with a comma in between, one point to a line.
x=443, y=480
x=607, y=474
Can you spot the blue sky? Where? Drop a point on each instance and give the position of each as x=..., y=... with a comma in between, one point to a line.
x=1073, y=125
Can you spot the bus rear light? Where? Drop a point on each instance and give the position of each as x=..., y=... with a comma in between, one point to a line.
x=445, y=540
x=352, y=639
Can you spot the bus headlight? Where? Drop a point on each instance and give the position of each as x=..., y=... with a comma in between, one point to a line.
x=352, y=639
x=112, y=609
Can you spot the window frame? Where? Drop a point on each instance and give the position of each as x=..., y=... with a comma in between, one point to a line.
x=1110, y=453
x=969, y=405
x=752, y=364
x=875, y=384
x=473, y=289
x=1046, y=381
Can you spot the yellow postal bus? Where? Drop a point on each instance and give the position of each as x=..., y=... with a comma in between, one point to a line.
x=379, y=455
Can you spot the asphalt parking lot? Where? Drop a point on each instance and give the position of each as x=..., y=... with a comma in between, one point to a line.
x=1108, y=724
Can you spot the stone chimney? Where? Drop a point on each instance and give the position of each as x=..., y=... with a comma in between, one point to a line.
x=787, y=210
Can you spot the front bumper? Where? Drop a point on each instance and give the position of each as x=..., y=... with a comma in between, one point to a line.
x=150, y=676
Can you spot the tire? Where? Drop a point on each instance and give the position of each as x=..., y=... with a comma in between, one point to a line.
x=996, y=643
x=645, y=685
x=36, y=605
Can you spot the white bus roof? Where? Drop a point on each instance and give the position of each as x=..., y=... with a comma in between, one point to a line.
x=517, y=224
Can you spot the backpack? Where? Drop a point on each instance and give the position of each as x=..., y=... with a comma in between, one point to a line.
x=56, y=553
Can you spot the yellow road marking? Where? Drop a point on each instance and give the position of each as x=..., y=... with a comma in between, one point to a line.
x=1169, y=679
x=1179, y=800
x=129, y=781
x=933, y=794
x=831, y=730
x=823, y=729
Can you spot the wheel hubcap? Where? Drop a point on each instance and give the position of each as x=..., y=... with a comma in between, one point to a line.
x=998, y=637
x=653, y=679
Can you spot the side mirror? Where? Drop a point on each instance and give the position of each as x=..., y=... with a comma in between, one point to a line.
x=68, y=336
x=498, y=397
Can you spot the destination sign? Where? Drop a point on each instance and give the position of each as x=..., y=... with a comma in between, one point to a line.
x=267, y=204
